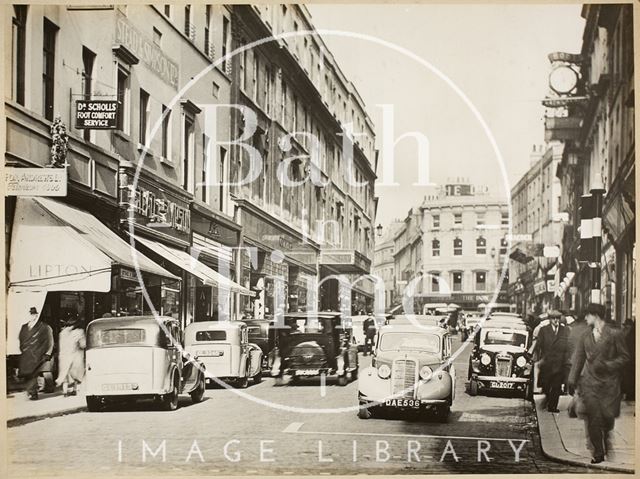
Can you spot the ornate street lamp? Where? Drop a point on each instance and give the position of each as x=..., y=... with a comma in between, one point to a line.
x=379, y=229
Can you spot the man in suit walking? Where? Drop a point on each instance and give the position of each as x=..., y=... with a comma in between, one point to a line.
x=552, y=346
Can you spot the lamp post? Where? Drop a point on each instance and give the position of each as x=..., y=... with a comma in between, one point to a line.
x=379, y=230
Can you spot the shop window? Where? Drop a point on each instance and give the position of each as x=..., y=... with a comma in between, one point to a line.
x=457, y=247
x=481, y=280
x=88, y=60
x=143, y=124
x=18, y=52
x=48, y=71
x=481, y=246
x=457, y=280
x=435, y=247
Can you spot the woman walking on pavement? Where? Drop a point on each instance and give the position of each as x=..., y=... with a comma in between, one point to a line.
x=596, y=370
x=71, y=357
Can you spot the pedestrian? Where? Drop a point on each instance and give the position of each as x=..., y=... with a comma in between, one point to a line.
x=36, y=347
x=71, y=344
x=577, y=329
x=369, y=330
x=552, y=349
x=595, y=377
x=629, y=375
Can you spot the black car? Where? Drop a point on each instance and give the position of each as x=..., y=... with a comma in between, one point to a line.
x=500, y=360
x=258, y=332
x=313, y=344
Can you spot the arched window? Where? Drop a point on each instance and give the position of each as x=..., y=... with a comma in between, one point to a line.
x=457, y=247
x=481, y=245
x=435, y=247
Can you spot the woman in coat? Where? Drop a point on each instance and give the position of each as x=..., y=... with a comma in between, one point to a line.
x=596, y=370
x=72, y=343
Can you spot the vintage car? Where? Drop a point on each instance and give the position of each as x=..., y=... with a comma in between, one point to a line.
x=411, y=370
x=423, y=320
x=500, y=359
x=312, y=344
x=258, y=330
x=139, y=357
x=224, y=348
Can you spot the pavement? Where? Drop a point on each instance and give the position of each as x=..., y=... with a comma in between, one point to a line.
x=564, y=439
x=21, y=410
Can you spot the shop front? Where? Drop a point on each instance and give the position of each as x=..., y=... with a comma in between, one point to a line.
x=67, y=263
x=215, y=241
x=153, y=212
x=278, y=263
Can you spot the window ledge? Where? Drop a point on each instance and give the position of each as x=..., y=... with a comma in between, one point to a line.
x=167, y=162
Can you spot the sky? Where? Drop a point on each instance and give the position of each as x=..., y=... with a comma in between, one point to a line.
x=496, y=55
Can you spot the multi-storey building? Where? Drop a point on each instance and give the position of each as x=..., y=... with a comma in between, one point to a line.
x=311, y=122
x=407, y=255
x=143, y=176
x=464, y=246
x=162, y=178
x=601, y=148
x=537, y=229
x=384, y=264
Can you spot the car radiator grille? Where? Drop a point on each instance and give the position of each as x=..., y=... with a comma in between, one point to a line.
x=503, y=366
x=403, y=376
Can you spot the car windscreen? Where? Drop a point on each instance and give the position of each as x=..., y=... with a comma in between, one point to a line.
x=511, y=338
x=207, y=335
x=115, y=336
x=410, y=342
x=255, y=331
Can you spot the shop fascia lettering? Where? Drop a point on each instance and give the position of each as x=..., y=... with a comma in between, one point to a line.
x=159, y=210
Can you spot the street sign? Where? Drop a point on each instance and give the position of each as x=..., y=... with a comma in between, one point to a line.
x=96, y=114
x=520, y=237
x=539, y=287
x=35, y=181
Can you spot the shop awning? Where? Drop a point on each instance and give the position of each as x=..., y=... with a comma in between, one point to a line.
x=191, y=265
x=56, y=247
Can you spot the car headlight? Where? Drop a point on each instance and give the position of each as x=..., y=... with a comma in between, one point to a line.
x=521, y=362
x=425, y=372
x=384, y=371
x=485, y=359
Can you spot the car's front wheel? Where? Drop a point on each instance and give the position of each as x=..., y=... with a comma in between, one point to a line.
x=473, y=387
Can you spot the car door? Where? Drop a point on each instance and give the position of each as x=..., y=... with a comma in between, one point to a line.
x=452, y=367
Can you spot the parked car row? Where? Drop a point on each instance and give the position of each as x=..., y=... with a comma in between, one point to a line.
x=141, y=357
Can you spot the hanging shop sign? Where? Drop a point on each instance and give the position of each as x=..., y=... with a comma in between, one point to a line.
x=35, y=181
x=96, y=114
x=539, y=287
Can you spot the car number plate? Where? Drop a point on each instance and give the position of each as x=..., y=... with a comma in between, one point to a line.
x=119, y=386
x=210, y=354
x=501, y=385
x=307, y=372
x=402, y=402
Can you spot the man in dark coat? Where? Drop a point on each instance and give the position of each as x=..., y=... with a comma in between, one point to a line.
x=577, y=329
x=36, y=347
x=596, y=370
x=552, y=349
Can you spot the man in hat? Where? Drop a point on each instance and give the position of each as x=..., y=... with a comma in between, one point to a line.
x=36, y=347
x=598, y=362
x=552, y=347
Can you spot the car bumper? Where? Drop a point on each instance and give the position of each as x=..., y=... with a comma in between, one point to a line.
x=402, y=403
